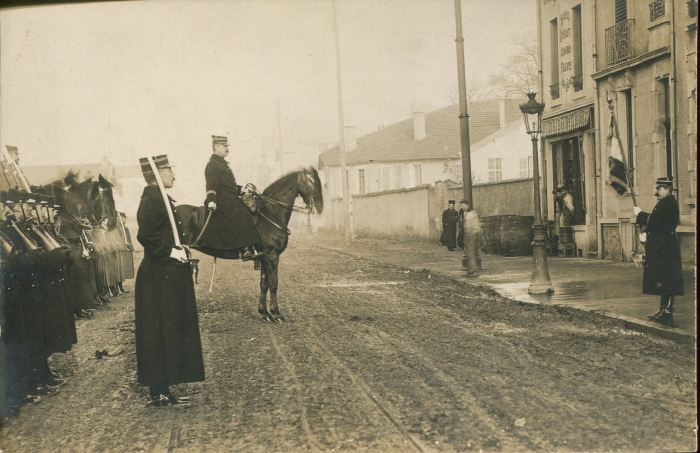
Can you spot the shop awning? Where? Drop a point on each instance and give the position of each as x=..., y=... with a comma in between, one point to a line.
x=568, y=122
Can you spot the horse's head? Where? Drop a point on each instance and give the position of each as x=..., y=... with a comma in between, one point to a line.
x=310, y=189
x=100, y=196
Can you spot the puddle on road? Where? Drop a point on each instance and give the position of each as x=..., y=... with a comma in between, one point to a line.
x=563, y=291
x=357, y=284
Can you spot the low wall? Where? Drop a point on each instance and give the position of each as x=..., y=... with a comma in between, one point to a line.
x=396, y=214
x=416, y=213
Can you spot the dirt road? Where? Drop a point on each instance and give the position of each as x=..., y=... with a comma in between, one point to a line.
x=372, y=358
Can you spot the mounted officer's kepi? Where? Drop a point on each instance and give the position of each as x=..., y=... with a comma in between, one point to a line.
x=666, y=181
x=219, y=140
x=160, y=161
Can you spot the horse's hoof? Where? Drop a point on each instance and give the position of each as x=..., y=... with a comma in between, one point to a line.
x=280, y=318
x=268, y=318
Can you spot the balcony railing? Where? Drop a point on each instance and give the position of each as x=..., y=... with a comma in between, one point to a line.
x=554, y=91
x=657, y=9
x=577, y=82
x=618, y=42
x=692, y=8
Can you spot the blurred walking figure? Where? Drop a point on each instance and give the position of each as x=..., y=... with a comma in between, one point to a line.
x=663, y=275
x=471, y=227
x=450, y=218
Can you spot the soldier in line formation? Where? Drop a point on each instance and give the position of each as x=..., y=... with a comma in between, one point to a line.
x=48, y=280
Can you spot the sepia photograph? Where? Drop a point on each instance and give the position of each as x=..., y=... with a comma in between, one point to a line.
x=377, y=226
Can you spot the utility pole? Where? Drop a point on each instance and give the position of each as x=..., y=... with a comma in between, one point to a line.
x=463, y=122
x=341, y=126
x=279, y=136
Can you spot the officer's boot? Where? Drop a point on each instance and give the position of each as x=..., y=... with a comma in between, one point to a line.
x=666, y=316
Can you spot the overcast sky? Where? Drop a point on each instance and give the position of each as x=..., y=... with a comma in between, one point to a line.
x=127, y=78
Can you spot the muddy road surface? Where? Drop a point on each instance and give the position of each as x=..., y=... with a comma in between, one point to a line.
x=372, y=358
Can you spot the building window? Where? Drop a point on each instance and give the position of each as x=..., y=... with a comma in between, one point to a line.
x=386, y=178
x=620, y=10
x=418, y=171
x=554, y=52
x=398, y=177
x=578, y=49
x=666, y=112
x=657, y=9
x=526, y=167
x=495, y=169
x=625, y=128
x=361, y=180
x=692, y=8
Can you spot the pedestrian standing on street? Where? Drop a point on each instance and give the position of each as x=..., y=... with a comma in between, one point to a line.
x=450, y=218
x=472, y=233
x=168, y=345
x=232, y=228
x=663, y=275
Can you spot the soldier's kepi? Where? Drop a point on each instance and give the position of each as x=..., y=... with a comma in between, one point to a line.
x=232, y=229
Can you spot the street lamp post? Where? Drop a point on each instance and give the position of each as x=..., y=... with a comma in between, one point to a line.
x=540, y=283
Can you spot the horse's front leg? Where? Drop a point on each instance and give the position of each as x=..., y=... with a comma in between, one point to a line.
x=264, y=285
x=273, y=281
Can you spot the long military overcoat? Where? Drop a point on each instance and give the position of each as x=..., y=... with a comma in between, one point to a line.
x=232, y=226
x=450, y=217
x=168, y=345
x=663, y=273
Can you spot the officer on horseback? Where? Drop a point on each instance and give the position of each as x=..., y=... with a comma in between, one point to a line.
x=232, y=227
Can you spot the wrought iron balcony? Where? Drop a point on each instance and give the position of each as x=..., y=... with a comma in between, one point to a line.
x=692, y=8
x=618, y=42
x=577, y=82
x=657, y=9
x=554, y=91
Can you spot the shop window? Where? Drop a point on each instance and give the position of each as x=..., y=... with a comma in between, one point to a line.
x=567, y=160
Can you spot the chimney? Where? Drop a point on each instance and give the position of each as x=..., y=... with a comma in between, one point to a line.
x=350, y=138
x=506, y=111
x=418, y=108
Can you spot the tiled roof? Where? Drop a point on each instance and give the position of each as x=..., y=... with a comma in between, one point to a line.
x=395, y=143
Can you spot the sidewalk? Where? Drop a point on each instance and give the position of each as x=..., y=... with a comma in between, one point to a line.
x=610, y=288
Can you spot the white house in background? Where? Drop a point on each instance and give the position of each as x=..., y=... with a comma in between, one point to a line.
x=505, y=154
x=423, y=149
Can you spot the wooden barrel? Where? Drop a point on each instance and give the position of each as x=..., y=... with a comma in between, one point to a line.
x=488, y=234
x=516, y=235
x=497, y=233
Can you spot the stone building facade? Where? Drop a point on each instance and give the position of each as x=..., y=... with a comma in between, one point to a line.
x=638, y=58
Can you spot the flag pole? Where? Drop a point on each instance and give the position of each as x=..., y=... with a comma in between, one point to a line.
x=613, y=127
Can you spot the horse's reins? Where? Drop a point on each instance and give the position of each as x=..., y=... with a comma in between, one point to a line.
x=308, y=208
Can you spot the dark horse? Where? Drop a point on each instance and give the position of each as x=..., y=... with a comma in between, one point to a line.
x=275, y=206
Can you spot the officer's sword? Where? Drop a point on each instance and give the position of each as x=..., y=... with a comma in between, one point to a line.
x=154, y=169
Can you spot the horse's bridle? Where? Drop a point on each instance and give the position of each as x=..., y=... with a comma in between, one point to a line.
x=309, y=200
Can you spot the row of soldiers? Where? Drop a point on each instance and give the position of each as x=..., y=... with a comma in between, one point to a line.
x=48, y=280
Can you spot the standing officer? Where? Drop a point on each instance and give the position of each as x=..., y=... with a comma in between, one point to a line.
x=663, y=275
x=449, y=227
x=232, y=227
x=168, y=345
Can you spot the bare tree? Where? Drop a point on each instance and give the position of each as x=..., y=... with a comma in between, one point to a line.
x=518, y=75
x=477, y=90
